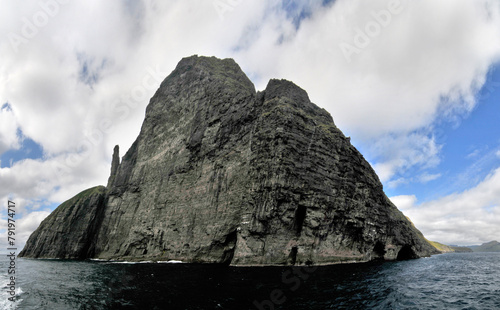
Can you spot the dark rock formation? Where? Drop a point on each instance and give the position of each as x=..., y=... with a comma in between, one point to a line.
x=221, y=173
x=114, y=166
x=69, y=231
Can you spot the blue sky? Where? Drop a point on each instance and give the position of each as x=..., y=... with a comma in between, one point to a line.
x=414, y=84
x=29, y=149
x=469, y=148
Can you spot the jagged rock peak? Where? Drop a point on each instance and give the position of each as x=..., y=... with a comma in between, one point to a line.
x=286, y=89
x=289, y=93
x=222, y=174
x=196, y=69
x=115, y=162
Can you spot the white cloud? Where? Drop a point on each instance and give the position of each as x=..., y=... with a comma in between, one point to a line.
x=422, y=178
x=398, y=153
x=23, y=229
x=473, y=154
x=498, y=153
x=396, y=82
x=404, y=202
x=465, y=218
x=427, y=177
x=55, y=179
x=397, y=182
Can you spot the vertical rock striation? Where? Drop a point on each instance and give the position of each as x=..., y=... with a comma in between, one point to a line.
x=221, y=173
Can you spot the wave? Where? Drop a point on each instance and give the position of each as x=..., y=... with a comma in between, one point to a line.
x=172, y=261
x=7, y=304
x=142, y=262
x=127, y=262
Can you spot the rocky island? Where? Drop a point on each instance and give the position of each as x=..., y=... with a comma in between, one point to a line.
x=221, y=173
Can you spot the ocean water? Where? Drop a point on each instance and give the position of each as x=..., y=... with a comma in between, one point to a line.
x=447, y=281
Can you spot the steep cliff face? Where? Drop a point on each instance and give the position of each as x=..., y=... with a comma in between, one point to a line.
x=178, y=190
x=220, y=173
x=314, y=197
x=69, y=231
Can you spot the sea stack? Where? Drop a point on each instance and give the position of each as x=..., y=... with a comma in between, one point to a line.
x=223, y=174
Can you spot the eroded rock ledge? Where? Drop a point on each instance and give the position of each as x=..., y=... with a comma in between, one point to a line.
x=221, y=173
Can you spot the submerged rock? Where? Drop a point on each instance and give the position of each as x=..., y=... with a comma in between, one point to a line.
x=221, y=173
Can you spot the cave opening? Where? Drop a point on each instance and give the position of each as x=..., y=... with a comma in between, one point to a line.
x=230, y=246
x=300, y=216
x=292, y=257
x=406, y=253
x=379, y=249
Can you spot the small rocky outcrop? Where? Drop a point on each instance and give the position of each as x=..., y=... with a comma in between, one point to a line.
x=221, y=173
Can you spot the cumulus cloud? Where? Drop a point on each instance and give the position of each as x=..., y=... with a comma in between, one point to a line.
x=464, y=218
x=399, y=80
x=404, y=202
x=55, y=179
x=24, y=228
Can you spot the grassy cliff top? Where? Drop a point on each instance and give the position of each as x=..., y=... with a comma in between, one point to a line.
x=82, y=196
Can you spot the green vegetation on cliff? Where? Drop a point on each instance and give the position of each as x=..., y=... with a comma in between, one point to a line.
x=441, y=247
x=449, y=248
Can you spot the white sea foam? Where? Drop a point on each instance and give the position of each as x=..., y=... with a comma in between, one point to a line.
x=145, y=262
x=170, y=262
x=7, y=304
x=127, y=262
x=98, y=260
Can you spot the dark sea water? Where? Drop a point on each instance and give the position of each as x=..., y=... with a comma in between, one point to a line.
x=448, y=281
